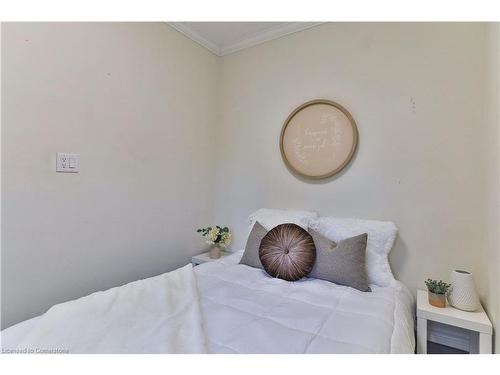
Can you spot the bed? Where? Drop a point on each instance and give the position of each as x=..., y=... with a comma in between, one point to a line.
x=244, y=310
x=227, y=307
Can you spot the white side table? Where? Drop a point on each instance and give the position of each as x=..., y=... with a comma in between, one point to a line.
x=474, y=321
x=204, y=258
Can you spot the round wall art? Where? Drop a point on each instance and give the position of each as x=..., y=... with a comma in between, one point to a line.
x=318, y=139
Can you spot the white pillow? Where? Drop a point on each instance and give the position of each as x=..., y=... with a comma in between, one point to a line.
x=381, y=236
x=270, y=218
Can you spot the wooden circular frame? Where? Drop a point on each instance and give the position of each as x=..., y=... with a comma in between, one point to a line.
x=349, y=156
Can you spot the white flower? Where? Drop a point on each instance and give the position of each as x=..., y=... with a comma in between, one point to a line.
x=216, y=235
x=226, y=238
x=213, y=234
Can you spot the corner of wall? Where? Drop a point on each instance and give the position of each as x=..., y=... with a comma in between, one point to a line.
x=491, y=261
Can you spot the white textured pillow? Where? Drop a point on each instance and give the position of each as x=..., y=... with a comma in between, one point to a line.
x=381, y=236
x=269, y=218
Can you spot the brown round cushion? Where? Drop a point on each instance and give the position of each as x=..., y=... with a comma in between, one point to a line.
x=287, y=252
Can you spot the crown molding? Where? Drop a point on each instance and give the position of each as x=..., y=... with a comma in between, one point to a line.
x=194, y=36
x=267, y=35
x=250, y=41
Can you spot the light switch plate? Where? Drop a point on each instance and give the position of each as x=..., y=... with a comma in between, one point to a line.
x=68, y=163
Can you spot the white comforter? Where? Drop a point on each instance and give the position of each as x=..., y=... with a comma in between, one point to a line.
x=243, y=310
x=247, y=311
x=156, y=315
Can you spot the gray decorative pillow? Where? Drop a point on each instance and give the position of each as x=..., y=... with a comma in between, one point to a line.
x=342, y=263
x=251, y=254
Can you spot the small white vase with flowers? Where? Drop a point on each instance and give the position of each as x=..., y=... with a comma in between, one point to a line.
x=218, y=237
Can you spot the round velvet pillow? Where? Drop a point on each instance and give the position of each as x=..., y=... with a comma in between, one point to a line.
x=287, y=252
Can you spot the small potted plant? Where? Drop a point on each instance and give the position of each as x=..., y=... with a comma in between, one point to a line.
x=437, y=292
x=218, y=237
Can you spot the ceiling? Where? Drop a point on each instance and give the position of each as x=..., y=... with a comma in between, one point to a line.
x=223, y=38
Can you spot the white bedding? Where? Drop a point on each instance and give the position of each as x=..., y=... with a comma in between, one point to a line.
x=243, y=310
x=247, y=311
x=157, y=315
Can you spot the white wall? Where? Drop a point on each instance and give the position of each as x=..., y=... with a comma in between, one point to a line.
x=491, y=260
x=496, y=281
x=426, y=167
x=136, y=101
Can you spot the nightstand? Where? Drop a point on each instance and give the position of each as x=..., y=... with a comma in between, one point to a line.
x=476, y=322
x=204, y=258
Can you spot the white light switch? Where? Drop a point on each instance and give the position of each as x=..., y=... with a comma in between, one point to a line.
x=67, y=162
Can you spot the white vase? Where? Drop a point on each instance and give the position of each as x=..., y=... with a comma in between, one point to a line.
x=215, y=252
x=463, y=294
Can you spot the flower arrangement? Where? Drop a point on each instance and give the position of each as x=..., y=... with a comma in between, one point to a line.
x=219, y=236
